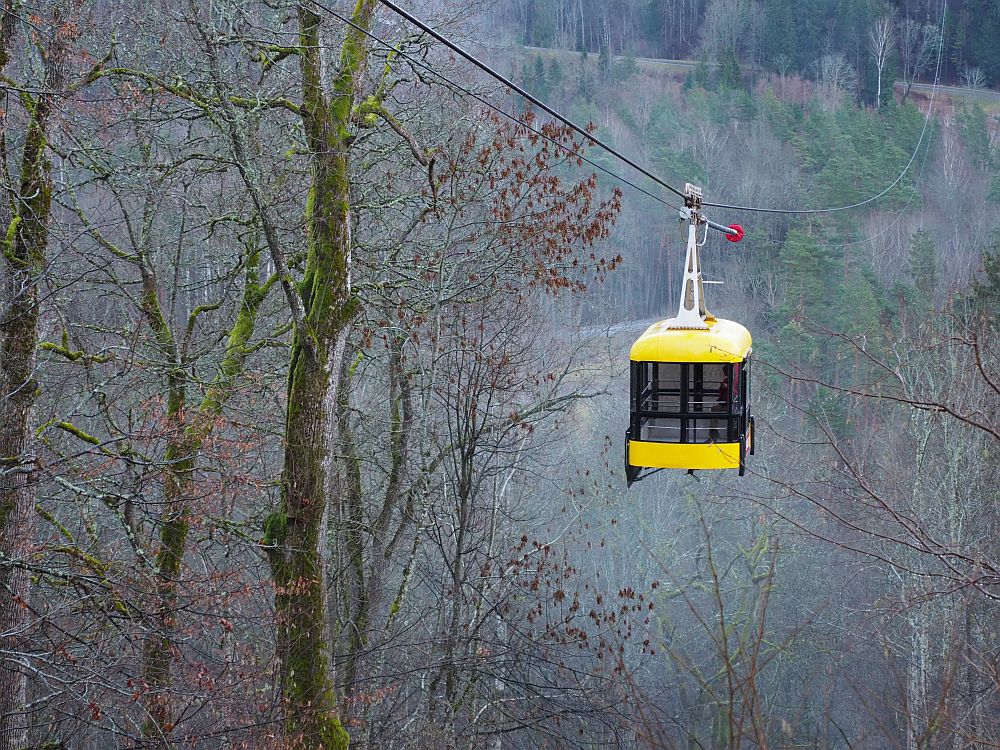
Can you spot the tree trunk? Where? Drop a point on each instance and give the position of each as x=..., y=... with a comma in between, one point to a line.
x=23, y=244
x=179, y=462
x=293, y=533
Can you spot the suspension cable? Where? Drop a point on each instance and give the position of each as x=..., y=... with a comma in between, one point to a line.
x=520, y=91
x=487, y=103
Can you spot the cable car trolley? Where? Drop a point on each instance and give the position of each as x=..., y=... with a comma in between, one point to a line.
x=689, y=405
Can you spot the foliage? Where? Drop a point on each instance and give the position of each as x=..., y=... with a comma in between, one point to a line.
x=730, y=74
x=974, y=125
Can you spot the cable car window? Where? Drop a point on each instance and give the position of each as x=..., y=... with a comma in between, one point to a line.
x=660, y=430
x=687, y=402
x=711, y=388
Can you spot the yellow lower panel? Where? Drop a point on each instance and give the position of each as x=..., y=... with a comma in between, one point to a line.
x=684, y=455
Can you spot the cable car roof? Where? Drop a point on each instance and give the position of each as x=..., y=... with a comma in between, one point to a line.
x=724, y=341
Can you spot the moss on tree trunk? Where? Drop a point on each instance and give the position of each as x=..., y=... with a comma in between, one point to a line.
x=294, y=531
x=24, y=245
x=179, y=466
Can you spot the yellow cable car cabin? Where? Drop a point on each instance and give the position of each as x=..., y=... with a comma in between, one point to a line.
x=689, y=405
x=690, y=396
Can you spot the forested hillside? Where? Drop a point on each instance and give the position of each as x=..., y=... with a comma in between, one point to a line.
x=776, y=35
x=315, y=375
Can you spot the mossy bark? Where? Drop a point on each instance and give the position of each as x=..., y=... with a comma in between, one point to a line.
x=179, y=465
x=294, y=531
x=24, y=246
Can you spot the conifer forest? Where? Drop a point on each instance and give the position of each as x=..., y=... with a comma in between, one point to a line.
x=322, y=423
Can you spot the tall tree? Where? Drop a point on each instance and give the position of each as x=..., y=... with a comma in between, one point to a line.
x=328, y=304
x=919, y=46
x=49, y=45
x=880, y=37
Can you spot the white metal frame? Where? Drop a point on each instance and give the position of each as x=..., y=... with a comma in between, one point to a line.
x=691, y=310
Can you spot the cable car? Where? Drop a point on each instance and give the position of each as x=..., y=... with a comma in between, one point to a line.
x=689, y=405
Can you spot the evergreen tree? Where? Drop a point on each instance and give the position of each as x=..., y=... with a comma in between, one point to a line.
x=540, y=80
x=555, y=76
x=794, y=344
x=782, y=117
x=975, y=132
x=957, y=36
x=730, y=74
x=922, y=263
x=702, y=75
x=973, y=122
x=625, y=68
x=835, y=412
x=854, y=152
x=665, y=125
x=528, y=84
x=986, y=288
x=982, y=38
x=584, y=80
x=806, y=272
x=604, y=61
x=857, y=312
x=779, y=32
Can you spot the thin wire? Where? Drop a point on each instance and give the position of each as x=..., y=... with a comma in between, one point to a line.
x=867, y=238
x=913, y=156
x=416, y=60
x=534, y=100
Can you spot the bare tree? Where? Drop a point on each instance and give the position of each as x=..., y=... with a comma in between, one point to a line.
x=919, y=47
x=731, y=25
x=47, y=45
x=938, y=406
x=837, y=79
x=446, y=386
x=880, y=45
x=974, y=78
